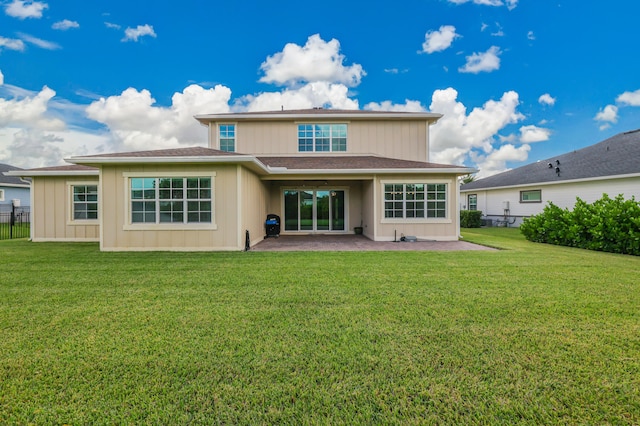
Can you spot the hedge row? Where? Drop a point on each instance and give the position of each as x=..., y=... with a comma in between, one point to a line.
x=470, y=218
x=611, y=225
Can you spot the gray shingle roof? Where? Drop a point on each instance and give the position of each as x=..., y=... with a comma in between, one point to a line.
x=348, y=163
x=12, y=180
x=618, y=155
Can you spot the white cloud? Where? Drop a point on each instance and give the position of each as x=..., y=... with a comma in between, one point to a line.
x=43, y=44
x=11, y=44
x=531, y=36
x=496, y=161
x=531, y=134
x=23, y=9
x=29, y=111
x=608, y=114
x=1, y=78
x=140, y=31
x=317, y=94
x=137, y=124
x=547, y=99
x=457, y=133
x=65, y=25
x=408, y=106
x=437, y=41
x=112, y=25
x=316, y=61
x=511, y=4
x=482, y=62
x=629, y=98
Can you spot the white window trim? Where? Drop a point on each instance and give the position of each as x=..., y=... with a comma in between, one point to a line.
x=235, y=139
x=77, y=222
x=1, y=194
x=169, y=226
x=446, y=219
x=330, y=123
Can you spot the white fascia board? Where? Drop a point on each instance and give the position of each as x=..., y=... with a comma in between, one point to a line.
x=560, y=182
x=285, y=171
x=229, y=159
x=14, y=185
x=29, y=173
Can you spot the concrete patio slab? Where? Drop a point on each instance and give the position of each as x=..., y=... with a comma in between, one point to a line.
x=322, y=242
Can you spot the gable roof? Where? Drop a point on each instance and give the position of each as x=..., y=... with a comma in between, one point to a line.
x=10, y=179
x=618, y=155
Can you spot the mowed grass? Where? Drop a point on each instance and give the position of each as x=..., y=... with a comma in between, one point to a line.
x=528, y=334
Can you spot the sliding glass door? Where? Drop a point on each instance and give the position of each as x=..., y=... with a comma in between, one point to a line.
x=314, y=210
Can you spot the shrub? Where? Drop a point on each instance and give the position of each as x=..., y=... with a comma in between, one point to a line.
x=470, y=218
x=611, y=225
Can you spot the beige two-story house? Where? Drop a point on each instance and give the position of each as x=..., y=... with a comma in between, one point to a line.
x=319, y=170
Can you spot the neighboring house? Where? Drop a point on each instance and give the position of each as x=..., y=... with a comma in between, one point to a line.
x=321, y=171
x=609, y=167
x=12, y=188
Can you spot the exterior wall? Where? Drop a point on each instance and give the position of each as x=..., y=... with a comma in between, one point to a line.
x=117, y=233
x=10, y=193
x=369, y=212
x=253, y=206
x=51, y=215
x=406, y=140
x=444, y=229
x=490, y=202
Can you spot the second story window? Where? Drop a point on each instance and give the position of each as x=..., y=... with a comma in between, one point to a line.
x=227, y=137
x=322, y=137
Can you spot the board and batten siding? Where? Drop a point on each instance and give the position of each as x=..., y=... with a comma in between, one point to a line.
x=253, y=207
x=51, y=211
x=407, y=140
x=119, y=235
x=444, y=229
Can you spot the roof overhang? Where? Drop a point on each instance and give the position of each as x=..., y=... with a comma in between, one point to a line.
x=320, y=115
x=52, y=172
x=249, y=161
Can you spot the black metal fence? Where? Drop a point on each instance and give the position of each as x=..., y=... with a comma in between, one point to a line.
x=14, y=222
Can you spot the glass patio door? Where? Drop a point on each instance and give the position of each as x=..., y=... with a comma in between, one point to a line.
x=314, y=210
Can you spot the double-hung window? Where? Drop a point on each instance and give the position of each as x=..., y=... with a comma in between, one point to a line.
x=227, y=137
x=85, y=202
x=473, y=201
x=322, y=137
x=415, y=200
x=182, y=200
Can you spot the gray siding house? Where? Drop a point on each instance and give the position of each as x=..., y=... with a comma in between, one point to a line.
x=12, y=188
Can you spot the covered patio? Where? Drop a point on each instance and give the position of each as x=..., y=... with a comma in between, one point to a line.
x=351, y=242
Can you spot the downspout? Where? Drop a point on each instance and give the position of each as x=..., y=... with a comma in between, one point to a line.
x=457, y=218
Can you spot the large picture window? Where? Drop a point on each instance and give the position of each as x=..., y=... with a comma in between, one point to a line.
x=322, y=137
x=227, y=136
x=415, y=200
x=85, y=202
x=181, y=200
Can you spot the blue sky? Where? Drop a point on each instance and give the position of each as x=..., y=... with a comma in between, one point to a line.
x=517, y=80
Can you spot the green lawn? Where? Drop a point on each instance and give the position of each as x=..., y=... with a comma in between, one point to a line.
x=529, y=334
